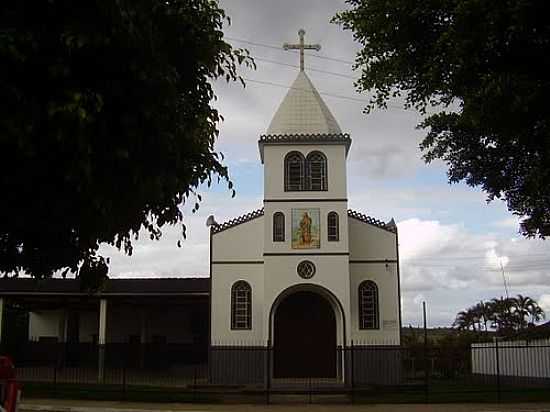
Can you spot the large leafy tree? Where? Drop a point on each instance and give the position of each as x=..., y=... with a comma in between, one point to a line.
x=485, y=66
x=106, y=124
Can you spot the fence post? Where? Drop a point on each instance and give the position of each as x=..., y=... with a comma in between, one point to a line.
x=309, y=389
x=268, y=372
x=498, y=370
x=55, y=380
x=352, y=373
x=124, y=380
x=195, y=384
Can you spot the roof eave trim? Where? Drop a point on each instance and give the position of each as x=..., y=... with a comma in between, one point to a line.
x=304, y=139
x=238, y=221
x=371, y=221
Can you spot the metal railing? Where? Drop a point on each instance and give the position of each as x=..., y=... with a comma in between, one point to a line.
x=356, y=373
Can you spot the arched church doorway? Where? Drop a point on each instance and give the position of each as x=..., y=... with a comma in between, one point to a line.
x=304, y=337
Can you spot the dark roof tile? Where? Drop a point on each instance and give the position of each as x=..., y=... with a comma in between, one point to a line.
x=155, y=286
x=238, y=220
x=372, y=221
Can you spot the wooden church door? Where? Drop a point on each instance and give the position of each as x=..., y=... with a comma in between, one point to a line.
x=304, y=337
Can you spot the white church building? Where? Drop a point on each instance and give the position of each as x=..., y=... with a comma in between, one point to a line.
x=304, y=275
x=292, y=285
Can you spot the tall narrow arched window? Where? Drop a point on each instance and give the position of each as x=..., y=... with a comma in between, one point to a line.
x=241, y=305
x=332, y=227
x=295, y=169
x=317, y=171
x=278, y=227
x=368, y=305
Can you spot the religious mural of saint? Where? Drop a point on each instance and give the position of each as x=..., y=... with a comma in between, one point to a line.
x=305, y=229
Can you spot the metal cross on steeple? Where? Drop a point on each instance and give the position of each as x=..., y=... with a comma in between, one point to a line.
x=301, y=46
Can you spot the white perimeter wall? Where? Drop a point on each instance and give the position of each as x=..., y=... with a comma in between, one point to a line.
x=516, y=358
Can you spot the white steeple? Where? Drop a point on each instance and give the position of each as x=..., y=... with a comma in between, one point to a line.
x=303, y=111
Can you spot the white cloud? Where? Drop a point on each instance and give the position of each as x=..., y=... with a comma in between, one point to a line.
x=452, y=268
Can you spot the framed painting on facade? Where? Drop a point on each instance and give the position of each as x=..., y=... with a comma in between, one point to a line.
x=306, y=229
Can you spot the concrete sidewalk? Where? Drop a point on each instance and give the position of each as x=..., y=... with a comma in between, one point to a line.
x=58, y=405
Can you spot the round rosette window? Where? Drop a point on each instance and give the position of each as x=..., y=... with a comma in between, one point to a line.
x=306, y=269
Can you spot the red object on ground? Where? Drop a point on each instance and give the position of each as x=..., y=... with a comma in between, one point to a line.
x=13, y=395
x=11, y=390
x=7, y=369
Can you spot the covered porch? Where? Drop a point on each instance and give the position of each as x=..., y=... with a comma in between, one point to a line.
x=132, y=326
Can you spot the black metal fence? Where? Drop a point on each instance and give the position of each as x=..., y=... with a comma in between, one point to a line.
x=363, y=373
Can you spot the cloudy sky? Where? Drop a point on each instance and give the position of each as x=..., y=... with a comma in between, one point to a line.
x=452, y=243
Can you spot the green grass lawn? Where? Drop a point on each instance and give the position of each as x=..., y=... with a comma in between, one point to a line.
x=439, y=392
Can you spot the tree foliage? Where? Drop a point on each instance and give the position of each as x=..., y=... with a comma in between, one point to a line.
x=505, y=315
x=485, y=65
x=106, y=124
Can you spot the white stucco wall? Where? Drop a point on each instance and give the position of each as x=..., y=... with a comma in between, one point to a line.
x=368, y=242
x=274, y=156
x=223, y=278
x=324, y=209
x=270, y=267
x=331, y=274
x=241, y=242
x=369, y=247
x=47, y=323
x=385, y=278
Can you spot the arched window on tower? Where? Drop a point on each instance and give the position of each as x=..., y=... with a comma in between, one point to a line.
x=241, y=305
x=294, y=172
x=368, y=305
x=278, y=227
x=333, y=234
x=317, y=171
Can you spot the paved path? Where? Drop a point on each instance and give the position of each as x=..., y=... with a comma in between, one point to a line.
x=57, y=405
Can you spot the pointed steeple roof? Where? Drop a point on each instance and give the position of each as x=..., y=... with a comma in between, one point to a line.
x=303, y=111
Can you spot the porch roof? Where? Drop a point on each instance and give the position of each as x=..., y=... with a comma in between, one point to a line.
x=112, y=287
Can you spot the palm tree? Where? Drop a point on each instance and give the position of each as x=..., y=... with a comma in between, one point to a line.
x=522, y=309
x=502, y=315
x=464, y=320
x=483, y=310
x=536, y=313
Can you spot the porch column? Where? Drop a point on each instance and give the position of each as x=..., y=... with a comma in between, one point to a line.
x=102, y=338
x=142, y=337
x=1, y=317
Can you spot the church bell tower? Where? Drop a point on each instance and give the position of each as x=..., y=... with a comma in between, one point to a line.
x=305, y=201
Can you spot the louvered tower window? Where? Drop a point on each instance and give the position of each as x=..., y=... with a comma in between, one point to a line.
x=368, y=305
x=278, y=227
x=332, y=227
x=317, y=171
x=294, y=172
x=241, y=305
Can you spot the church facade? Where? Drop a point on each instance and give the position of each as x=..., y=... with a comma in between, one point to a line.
x=293, y=285
x=303, y=276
